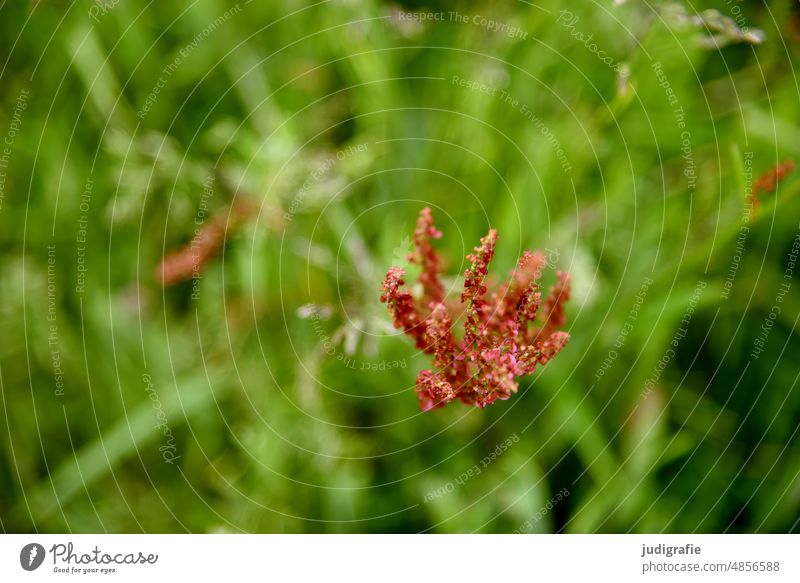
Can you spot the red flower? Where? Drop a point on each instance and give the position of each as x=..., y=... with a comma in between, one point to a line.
x=500, y=342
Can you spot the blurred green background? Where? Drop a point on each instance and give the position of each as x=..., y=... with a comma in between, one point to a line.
x=271, y=394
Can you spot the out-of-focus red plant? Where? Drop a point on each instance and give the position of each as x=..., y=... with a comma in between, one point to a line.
x=190, y=260
x=501, y=340
x=768, y=182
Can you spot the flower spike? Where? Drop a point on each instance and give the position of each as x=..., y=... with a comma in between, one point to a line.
x=497, y=346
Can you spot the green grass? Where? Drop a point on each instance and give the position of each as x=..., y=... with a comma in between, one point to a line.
x=277, y=431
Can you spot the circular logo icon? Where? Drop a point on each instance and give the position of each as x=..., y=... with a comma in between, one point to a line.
x=31, y=556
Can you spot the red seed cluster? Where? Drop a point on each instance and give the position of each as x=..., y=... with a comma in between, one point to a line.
x=501, y=339
x=768, y=182
x=425, y=256
x=191, y=259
